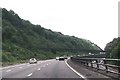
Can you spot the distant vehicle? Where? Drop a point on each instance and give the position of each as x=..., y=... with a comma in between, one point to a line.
x=61, y=58
x=57, y=58
x=32, y=60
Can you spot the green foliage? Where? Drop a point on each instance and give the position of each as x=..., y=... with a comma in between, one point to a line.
x=23, y=40
x=113, y=48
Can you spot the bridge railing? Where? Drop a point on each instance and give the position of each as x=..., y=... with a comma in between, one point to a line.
x=108, y=65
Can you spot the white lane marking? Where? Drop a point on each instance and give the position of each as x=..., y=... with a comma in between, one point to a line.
x=38, y=68
x=20, y=67
x=29, y=75
x=76, y=71
x=8, y=70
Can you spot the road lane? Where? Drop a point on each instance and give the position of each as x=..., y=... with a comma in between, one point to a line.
x=57, y=69
x=17, y=72
x=44, y=69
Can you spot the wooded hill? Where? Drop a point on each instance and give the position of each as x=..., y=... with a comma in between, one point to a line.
x=23, y=40
x=113, y=48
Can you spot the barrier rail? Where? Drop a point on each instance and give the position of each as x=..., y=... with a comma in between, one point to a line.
x=108, y=65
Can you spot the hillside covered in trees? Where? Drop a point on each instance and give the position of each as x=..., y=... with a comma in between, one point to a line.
x=22, y=40
x=113, y=48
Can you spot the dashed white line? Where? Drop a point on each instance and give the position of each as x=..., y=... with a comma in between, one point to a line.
x=29, y=75
x=20, y=67
x=76, y=71
x=8, y=70
x=39, y=69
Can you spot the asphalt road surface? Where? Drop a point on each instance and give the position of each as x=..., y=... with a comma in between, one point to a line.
x=43, y=69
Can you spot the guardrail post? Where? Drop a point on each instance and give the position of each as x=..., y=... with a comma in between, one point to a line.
x=106, y=67
x=119, y=72
x=87, y=63
x=97, y=63
x=91, y=63
x=84, y=62
x=118, y=64
x=119, y=68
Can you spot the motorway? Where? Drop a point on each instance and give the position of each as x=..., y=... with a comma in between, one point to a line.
x=43, y=69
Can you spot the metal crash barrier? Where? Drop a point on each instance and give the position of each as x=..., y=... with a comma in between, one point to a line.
x=108, y=65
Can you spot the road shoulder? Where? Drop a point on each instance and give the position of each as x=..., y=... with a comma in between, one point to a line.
x=86, y=72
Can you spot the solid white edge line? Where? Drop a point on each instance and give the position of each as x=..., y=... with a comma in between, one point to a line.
x=80, y=75
x=29, y=74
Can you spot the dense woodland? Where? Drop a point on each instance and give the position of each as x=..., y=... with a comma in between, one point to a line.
x=113, y=48
x=22, y=40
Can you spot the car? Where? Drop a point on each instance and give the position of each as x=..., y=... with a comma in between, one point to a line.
x=61, y=58
x=57, y=58
x=32, y=61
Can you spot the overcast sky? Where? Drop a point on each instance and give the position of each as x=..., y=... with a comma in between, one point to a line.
x=94, y=20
